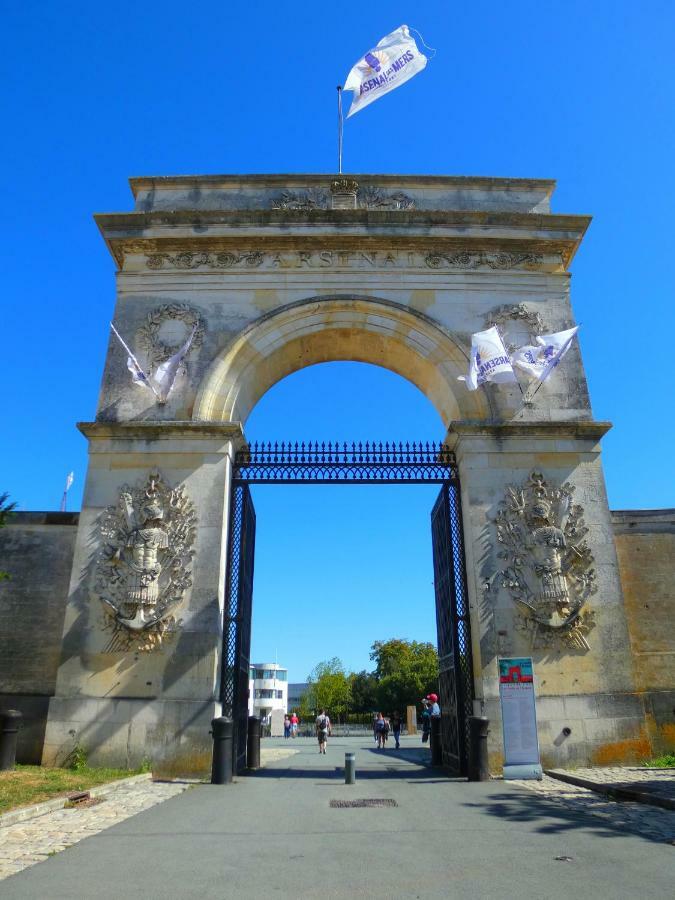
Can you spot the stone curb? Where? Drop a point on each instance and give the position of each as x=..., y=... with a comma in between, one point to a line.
x=40, y=809
x=613, y=791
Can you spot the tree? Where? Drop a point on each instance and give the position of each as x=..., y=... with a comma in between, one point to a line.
x=6, y=510
x=364, y=691
x=329, y=689
x=405, y=672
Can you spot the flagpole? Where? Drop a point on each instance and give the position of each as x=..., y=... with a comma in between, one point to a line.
x=340, y=121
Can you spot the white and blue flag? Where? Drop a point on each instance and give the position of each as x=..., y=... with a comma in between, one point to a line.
x=387, y=66
x=539, y=359
x=489, y=360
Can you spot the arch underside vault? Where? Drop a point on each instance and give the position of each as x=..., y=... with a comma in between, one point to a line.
x=330, y=329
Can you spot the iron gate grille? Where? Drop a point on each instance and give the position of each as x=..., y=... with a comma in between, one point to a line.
x=237, y=625
x=452, y=622
x=354, y=463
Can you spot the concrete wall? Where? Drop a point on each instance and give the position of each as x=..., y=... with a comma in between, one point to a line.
x=645, y=544
x=36, y=548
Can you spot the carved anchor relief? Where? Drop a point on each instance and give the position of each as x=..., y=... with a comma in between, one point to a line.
x=548, y=572
x=142, y=574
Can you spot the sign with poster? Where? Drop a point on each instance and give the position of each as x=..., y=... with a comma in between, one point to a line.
x=519, y=718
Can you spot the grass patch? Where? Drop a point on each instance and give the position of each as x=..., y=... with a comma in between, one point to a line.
x=25, y=785
x=662, y=762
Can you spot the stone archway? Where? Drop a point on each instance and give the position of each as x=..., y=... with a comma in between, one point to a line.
x=332, y=328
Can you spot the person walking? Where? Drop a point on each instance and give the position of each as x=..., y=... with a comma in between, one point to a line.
x=396, y=728
x=380, y=731
x=294, y=725
x=287, y=727
x=322, y=730
x=434, y=709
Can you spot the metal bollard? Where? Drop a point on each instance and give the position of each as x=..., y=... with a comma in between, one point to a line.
x=10, y=722
x=478, y=751
x=435, y=742
x=222, y=730
x=253, y=743
x=350, y=768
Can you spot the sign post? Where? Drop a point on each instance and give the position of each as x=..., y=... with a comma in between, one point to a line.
x=519, y=718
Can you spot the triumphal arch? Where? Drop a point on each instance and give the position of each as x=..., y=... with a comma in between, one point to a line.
x=272, y=273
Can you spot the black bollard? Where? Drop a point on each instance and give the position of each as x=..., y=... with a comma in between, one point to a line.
x=10, y=722
x=435, y=742
x=222, y=730
x=478, y=751
x=350, y=768
x=253, y=743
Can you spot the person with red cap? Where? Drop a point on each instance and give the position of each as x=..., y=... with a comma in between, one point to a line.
x=435, y=711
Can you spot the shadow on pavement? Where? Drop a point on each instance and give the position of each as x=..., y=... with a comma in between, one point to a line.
x=528, y=808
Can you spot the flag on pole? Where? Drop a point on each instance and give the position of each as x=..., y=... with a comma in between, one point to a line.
x=164, y=376
x=489, y=360
x=539, y=359
x=69, y=481
x=138, y=376
x=387, y=66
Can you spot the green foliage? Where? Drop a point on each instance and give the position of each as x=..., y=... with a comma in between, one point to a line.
x=662, y=762
x=329, y=689
x=6, y=509
x=405, y=671
x=77, y=760
x=364, y=692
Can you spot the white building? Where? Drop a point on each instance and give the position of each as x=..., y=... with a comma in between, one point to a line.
x=267, y=689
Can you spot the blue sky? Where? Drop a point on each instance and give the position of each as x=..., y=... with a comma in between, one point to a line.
x=92, y=95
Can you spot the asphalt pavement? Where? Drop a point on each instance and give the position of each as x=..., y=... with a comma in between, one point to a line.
x=275, y=834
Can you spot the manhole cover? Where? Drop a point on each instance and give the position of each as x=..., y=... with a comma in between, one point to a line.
x=345, y=804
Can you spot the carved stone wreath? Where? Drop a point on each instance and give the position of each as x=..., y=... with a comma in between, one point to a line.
x=518, y=312
x=148, y=334
x=465, y=259
x=549, y=566
x=142, y=569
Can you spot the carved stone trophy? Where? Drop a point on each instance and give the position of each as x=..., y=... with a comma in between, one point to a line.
x=549, y=572
x=141, y=572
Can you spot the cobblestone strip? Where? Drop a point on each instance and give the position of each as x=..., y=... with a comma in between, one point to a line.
x=26, y=843
x=657, y=781
x=648, y=821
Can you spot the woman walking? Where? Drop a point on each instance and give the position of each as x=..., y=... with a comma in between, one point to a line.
x=380, y=731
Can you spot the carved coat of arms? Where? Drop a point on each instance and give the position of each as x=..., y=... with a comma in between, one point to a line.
x=549, y=566
x=142, y=571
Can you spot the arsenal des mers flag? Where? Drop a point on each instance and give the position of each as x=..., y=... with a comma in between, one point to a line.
x=394, y=61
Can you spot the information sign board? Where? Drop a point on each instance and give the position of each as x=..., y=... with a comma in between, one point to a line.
x=519, y=718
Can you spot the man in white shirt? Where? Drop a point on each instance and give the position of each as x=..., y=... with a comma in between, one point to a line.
x=322, y=730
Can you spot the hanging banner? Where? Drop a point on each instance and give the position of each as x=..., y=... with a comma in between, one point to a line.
x=519, y=718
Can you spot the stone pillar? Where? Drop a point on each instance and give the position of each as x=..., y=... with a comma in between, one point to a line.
x=583, y=676
x=125, y=694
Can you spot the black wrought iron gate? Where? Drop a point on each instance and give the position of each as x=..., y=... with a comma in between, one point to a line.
x=453, y=626
x=238, y=615
x=362, y=463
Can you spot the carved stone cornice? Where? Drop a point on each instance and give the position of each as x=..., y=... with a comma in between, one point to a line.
x=441, y=232
x=579, y=429
x=161, y=430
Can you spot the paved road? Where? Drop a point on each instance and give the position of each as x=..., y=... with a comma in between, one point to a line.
x=275, y=835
